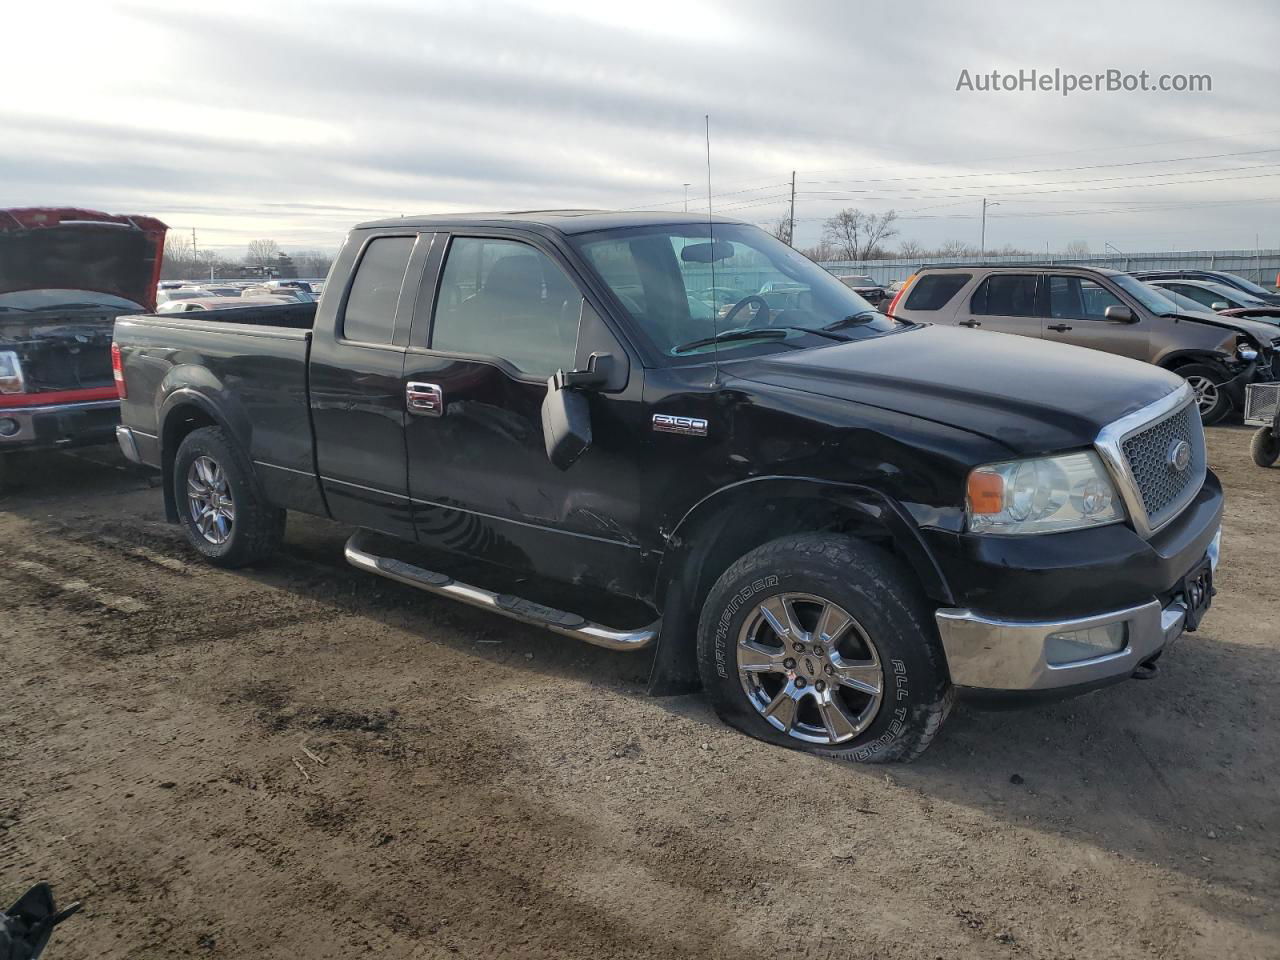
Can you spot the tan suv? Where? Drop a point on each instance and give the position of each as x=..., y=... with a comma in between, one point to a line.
x=1103, y=310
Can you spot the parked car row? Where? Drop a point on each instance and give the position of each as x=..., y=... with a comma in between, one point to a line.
x=1165, y=322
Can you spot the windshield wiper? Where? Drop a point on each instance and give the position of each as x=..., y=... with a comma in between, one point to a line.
x=767, y=333
x=855, y=319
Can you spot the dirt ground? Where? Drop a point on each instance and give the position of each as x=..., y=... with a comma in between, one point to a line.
x=308, y=762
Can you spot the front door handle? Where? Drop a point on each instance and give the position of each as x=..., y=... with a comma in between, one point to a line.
x=969, y=323
x=424, y=399
x=1059, y=327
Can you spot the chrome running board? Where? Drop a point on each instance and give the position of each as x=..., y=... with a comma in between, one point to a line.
x=517, y=608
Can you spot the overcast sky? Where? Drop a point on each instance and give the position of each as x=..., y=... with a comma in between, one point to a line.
x=293, y=121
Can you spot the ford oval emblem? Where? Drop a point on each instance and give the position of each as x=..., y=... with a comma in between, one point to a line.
x=1179, y=457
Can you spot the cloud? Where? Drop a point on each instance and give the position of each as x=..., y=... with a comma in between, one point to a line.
x=295, y=120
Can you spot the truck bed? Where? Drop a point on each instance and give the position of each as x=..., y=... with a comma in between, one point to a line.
x=245, y=367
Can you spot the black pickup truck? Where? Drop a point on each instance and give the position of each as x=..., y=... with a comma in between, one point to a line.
x=828, y=518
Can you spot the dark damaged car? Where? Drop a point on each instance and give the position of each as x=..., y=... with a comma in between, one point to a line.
x=65, y=275
x=830, y=519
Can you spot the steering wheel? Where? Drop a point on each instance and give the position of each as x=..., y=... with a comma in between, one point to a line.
x=762, y=309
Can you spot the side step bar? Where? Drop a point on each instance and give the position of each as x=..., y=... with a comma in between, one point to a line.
x=569, y=624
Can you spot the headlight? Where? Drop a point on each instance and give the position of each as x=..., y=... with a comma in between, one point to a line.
x=11, y=379
x=1042, y=495
x=1245, y=350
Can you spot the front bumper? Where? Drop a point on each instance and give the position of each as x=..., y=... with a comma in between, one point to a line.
x=58, y=425
x=994, y=654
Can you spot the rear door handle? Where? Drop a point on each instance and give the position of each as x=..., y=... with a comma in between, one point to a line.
x=969, y=323
x=1059, y=327
x=424, y=399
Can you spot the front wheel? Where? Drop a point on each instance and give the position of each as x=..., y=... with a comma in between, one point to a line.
x=1207, y=381
x=222, y=512
x=825, y=643
x=1265, y=447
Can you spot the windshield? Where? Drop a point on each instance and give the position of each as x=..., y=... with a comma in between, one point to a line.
x=29, y=300
x=681, y=288
x=1150, y=297
x=1232, y=295
x=1250, y=286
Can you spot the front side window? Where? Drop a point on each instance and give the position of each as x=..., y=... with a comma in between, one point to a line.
x=370, y=316
x=1006, y=295
x=686, y=283
x=1078, y=298
x=507, y=299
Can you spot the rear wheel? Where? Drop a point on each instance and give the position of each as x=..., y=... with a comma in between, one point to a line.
x=1265, y=447
x=1207, y=380
x=222, y=513
x=826, y=644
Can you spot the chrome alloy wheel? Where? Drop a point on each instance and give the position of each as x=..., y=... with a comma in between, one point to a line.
x=810, y=669
x=1206, y=392
x=209, y=500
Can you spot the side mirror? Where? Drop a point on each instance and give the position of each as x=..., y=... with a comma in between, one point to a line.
x=566, y=422
x=1119, y=315
x=1220, y=305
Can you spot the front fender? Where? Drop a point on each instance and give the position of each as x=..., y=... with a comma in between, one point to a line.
x=898, y=522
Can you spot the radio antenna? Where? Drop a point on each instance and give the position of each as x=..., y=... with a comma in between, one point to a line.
x=711, y=231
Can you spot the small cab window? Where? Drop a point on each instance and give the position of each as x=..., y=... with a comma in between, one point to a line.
x=1006, y=295
x=1200, y=295
x=370, y=316
x=1077, y=298
x=507, y=299
x=934, y=291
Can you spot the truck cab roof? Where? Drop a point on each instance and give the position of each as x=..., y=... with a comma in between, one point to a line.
x=560, y=221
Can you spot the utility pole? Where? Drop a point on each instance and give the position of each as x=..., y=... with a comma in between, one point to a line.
x=195, y=251
x=686, y=198
x=983, y=244
x=791, y=223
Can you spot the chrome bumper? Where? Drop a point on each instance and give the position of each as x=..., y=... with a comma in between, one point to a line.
x=22, y=423
x=994, y=654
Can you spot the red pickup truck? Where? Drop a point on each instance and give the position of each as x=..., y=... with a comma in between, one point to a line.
x=65, y=275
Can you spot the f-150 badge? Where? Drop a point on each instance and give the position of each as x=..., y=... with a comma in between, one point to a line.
x=687, y=426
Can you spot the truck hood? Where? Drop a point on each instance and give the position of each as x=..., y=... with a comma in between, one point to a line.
x=69, y=249
x=1032, y=396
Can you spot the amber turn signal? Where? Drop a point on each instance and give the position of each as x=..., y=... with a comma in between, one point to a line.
x=986, y=492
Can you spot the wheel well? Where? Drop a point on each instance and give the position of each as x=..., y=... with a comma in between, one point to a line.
x=1182, y=360
x=722, y=539
x=181, y=421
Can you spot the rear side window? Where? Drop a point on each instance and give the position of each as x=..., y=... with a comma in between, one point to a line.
x=934, y=291
x=1005, y=295
x=370, y=316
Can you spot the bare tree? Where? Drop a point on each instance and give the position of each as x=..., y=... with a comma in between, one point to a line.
x=781, y=228
x=262, y=253
x=911, y=250
x=312, y=263
x=1076, y=248
x=957, y=248
x=858, y=235
x=821, y=251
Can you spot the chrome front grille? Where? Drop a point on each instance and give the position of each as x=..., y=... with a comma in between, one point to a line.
x=1151, y=455
x=1156, y=475
x=1261, y=403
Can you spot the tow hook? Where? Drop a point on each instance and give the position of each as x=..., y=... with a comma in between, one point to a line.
x=1147, y=670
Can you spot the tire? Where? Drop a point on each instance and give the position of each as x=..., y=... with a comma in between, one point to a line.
x=1207, y=380
x=1265, y=447
x=747, y=672
x=220, y=477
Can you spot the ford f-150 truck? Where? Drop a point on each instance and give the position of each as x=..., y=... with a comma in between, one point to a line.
x=830, y=519
x=65, y=275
